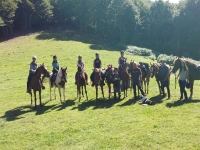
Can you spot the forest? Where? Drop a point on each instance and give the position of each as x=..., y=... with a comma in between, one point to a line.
x=161, y=26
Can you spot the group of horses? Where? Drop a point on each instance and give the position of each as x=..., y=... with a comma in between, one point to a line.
x=61, y=79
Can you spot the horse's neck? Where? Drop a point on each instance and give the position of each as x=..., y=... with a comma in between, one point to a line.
x=37, y=74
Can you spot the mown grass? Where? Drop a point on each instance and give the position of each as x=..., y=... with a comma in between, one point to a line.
x=109, y=124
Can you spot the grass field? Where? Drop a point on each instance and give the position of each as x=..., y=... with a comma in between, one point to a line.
x=168, y=124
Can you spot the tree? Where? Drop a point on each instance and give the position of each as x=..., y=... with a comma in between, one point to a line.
x=7, y=15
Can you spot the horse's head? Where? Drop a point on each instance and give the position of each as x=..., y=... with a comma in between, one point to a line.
x=177, y=64
x=154, y=68
x=64, y=74
x=43, y=70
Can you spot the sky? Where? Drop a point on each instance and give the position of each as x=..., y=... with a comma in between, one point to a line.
x=172, y=1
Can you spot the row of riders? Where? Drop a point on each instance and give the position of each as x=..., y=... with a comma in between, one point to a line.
x=139, y=73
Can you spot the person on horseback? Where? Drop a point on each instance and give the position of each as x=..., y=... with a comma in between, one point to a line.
x=116, y=82
x=33, y=68
x=97, y=64
x=81, y=65
x=121, y=62
x=55, y=65
x=136, y=75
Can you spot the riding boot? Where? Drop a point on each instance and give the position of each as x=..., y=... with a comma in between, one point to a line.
x=181, y=97
x=41, y=80
x=185, y=94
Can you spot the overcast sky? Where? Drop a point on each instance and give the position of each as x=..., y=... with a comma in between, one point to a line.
x=172, y=1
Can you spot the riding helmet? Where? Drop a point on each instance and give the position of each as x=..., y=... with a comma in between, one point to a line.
x=54, y=56
x=34, y=57
x=79, y=56
x=187, y=85
x=97, y=54
x=122, y=52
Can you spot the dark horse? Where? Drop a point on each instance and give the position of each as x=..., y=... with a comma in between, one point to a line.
x=109, y=80
x=98, y=81
x=81, y=82
x=145, y=79
x=36, y=83
x=154, y=69
x=125, y=78
x=193, y=72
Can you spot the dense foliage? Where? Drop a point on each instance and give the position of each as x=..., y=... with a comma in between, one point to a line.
x=161, y=26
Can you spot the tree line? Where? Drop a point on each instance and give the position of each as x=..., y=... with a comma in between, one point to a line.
x=161, y=26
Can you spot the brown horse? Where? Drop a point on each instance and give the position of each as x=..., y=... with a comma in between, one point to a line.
x=36, y=83
x=124, y=75
x=98, y=82
x=145, y=79
x=154, y=69
x=109, y=80
x=193, y=72
x=81, y=82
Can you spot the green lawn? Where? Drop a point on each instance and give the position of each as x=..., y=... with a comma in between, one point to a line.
x=168, y=124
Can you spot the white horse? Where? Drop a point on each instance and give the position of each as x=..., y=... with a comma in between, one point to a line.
x=61, y=79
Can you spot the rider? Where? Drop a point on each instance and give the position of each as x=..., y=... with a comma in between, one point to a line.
x=81, y=65
x=55, y=65
x=97, y=64
x=121, y=61
x=33, y=68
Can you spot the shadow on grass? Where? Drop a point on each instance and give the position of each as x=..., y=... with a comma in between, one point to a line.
x=99, y=104
x=181, y=102
x=64, y=105
x=129, y=102
x=157, y=99
x=16, y=113
x=97, y=43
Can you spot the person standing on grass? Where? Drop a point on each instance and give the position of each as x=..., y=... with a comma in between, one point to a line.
x=183, y=78
x=136, y=76
x=116, y=83
x=164, y=73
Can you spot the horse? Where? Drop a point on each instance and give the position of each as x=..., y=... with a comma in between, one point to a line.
x=36, y=83
x=124, y=75
x=154, y=69
x=193, y=72
x=145, y=79
x=98, y=82
x=60, y=80
x=81, y=82
x=109, y=80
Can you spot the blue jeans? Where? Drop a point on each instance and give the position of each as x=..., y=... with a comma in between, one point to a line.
x=182, y=84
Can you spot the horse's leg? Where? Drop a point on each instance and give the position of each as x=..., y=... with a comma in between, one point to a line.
x=109, y=89
x=86, y=92
x=50, y=92
x=64, y=93
x=60, y=94
x=40, y=98
x=102, y=91
x=31, y=98
x=96, y=91
x=35, y=98
x=147, y=85
x=159, y=86
x=55, y=93
x=126, y=87
x=191, y=89
x=82, y=92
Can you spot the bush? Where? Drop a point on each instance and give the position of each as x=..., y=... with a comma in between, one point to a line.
x=169, y=59
x=134, y=50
